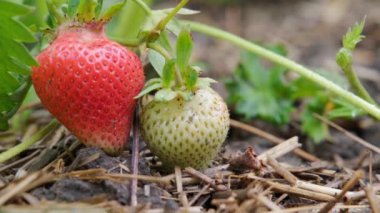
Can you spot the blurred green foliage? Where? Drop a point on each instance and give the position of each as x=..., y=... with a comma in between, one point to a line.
x=260, y=90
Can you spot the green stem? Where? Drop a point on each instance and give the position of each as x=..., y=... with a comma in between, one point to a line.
x=171, y=15
x=160, y=50
x=126, y=42
x=132, y=17
x=356, y=84
x=4, y=156
x=143, y=6
x=167, y=56
x=303, y=71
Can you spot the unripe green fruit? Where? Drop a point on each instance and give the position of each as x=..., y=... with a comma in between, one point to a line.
x=186, y=133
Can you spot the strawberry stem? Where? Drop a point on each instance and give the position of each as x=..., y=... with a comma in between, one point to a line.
x=155, y=32
x=10, y=153
x=281, y=60
x=160, y=50
x=167, y=56
x=161, y=25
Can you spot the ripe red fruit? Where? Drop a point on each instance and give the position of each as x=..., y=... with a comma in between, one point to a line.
x=89, y=83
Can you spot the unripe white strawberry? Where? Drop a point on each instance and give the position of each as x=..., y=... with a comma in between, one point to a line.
x=186, y=122
x=186, y=133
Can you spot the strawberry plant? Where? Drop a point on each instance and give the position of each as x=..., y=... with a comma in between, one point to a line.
x=263, y=92
x=91, y=84
x=187, y=121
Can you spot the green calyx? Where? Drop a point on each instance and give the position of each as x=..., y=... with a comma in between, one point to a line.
x=83, y=11
x=177, y=77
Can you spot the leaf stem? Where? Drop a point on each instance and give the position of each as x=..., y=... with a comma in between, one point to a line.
x=4, y=156
x=303, y=71
x=167, y=56
x=160, y=50
x=171, y=15
x=356, y=84
x=126, y=42
x=143, y=6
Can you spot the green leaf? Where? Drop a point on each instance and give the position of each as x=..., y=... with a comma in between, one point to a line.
x=72, y=7
x=15, y=30
x=16, y=50
x=153, y=81
x=37, y=17
x=11, y=102
x=99, y=7
x=87, y=9
x=168, y=73
x=112, y=10
x=182, y=11
x=184, y=48
x=343, y=109
x=157, y=61
x=204, y=83
x=163, y=41
x=165, y=95
x=353, y=35
x=3, y=123
x=15, y=60
x=191, y=78
x=149, y=88
x=8, y=83
x=175, y=27
x=258, y=91
x=314, y=128
x=310, y=125
x=9, y=9
x=186, y=95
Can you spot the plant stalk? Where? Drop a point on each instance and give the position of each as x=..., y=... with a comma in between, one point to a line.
x=356, y=85
x=303, y=71
x=171, y=15
x=4, y=156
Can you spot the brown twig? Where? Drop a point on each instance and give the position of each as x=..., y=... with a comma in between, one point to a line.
x=271, y=138
x=29, y=182
x=280, y=149
x=312, y=208
x=204, y=178
x=182, y=194
x=370, y=173
x=199, y=194
x=350, y=184
x=268, y=203
x=348, y=134
x=281, y=170
x=373, y=201
x=328, y=190
x=299, y=192
x=19, y=161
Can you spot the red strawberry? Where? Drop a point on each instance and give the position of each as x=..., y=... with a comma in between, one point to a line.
x=89, y=83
